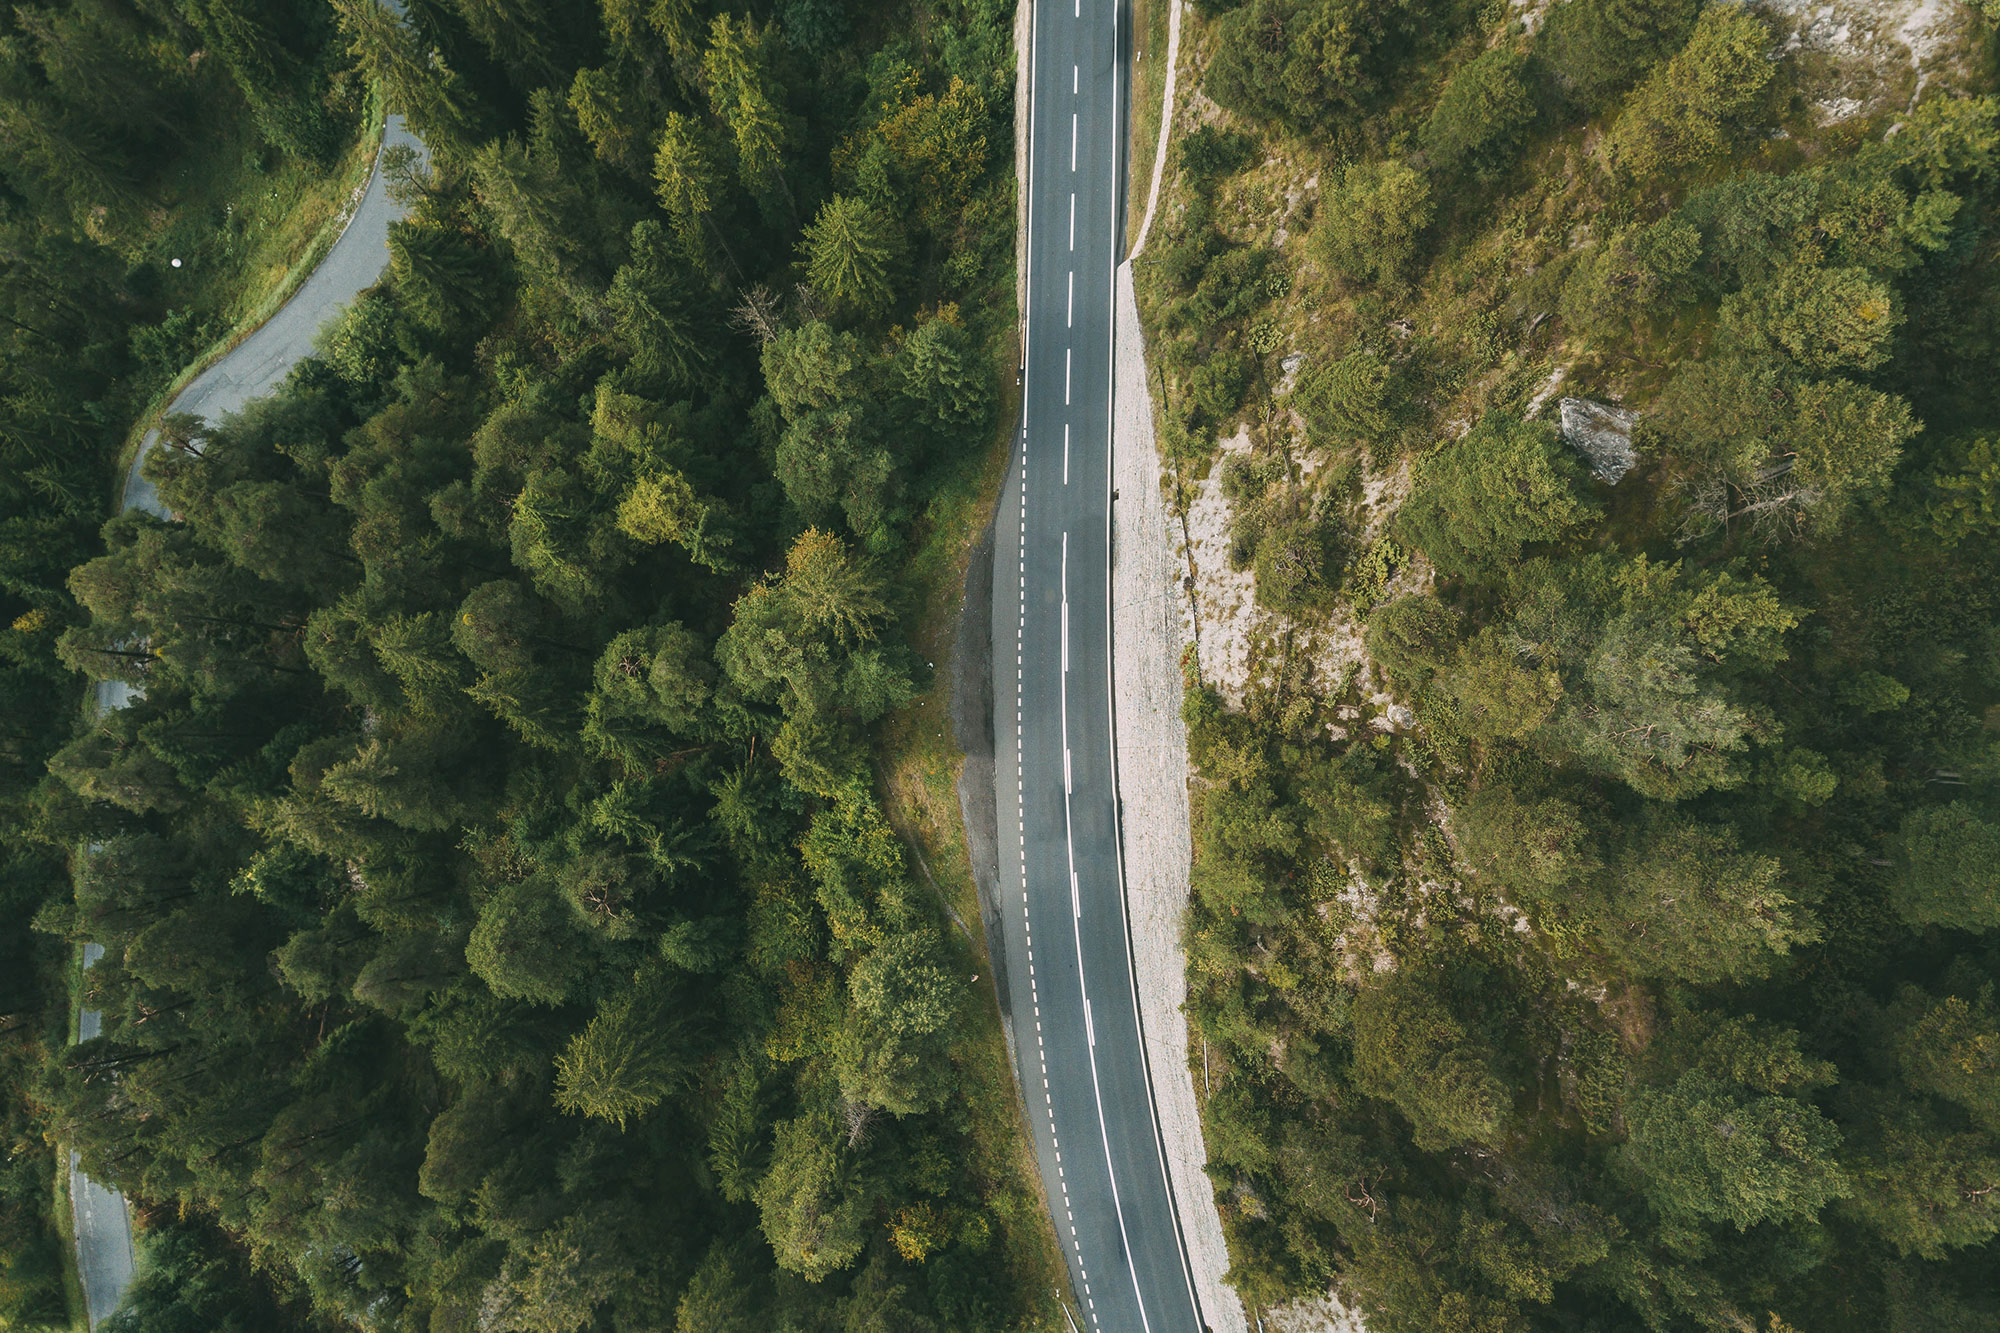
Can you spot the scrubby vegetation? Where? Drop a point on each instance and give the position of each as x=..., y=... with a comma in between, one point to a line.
x=1610, y=944
x=502, y=926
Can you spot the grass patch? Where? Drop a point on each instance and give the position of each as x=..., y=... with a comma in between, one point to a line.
x=1149, y=76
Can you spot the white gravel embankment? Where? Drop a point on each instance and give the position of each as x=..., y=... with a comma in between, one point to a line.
x=1147, y=640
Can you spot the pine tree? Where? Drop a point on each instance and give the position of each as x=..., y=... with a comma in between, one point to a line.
x=660, y=312
x=689, y=178
x=851, y=253
x=444, y=277
x=621, y=1065
x=741, y=94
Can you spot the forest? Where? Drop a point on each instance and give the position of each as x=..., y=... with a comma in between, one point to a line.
x=503, y=927
x=1596, y=885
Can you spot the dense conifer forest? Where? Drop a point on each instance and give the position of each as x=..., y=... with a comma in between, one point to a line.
x=1611, y=944
x=502, y=925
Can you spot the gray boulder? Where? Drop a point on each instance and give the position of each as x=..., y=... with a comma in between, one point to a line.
x=1602, y=434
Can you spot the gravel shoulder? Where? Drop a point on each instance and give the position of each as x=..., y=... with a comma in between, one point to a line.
x=1148, y=638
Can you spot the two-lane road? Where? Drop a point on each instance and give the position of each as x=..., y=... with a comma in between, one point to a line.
x=1070, y=987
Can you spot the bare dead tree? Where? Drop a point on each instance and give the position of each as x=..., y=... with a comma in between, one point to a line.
x=757, y=313
x=859, y=1116
x=1771, y=504
x=809, y=302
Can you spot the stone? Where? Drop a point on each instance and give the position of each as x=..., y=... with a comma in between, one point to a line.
x=1289, y=367
x=1602, y=434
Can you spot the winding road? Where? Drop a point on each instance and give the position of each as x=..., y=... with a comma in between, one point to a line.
x=251, y=369
x=1080, y=1053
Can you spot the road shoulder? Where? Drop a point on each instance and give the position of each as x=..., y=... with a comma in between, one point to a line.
x=1148, y=638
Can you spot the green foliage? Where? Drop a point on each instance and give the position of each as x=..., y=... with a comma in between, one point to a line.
x=1689, y=904
x=1966, y=501
x=1681, y=115
x=851, y=254
x=623, y=1064
x=1950, y=1048
x=1478, y=500
x=494, y=896
x=1638, y=275
x=1704, y=1149
x=1824, y=319
x=190, y=1279
x=1600, y=47
x=1485, y=108
x=1792, y=454
x=1348, y=401
x=1945, y=872
x=1409, y=637
x=1303, y=62
x=1209, y=153
x=1632, y=967
x=1372, y=221
x=1410, y=1050
x=814, y=1219
x=893, y=1054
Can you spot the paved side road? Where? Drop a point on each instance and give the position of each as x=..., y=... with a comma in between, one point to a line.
x=104, y=1255
x=257, y=364
x=1079, y=1049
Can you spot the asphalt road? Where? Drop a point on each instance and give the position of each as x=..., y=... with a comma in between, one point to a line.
x=1081, y=1060
x=250, y=370
x=104, y=1257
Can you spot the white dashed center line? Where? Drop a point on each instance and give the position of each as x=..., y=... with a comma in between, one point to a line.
x=1027, y=921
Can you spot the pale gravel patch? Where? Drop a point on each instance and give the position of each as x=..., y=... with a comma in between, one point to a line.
x=1382, y=494
x=1529, y=13
x=1229, y=620
x=1148, y=636
x=1224, y=621
x=1871, y=43
x=1545, y=392
x=1326, y=1315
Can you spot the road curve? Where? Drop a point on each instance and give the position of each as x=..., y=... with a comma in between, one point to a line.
x=254, y=367
x=1079, y=1050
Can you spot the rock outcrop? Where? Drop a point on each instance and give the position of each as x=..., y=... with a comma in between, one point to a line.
x=1602, y=434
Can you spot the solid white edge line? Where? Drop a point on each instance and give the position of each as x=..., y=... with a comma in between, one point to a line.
x=1111, y=713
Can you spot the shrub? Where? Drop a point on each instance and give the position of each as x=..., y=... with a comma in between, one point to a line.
x=1479, y=499
x=1482, y=113
x=1372, y=221
x=1208, y=154
x=1598, y=47
x=1681, y=114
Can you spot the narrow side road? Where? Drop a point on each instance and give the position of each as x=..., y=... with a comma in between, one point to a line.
x=1080, y=1051
x=104, y=1254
